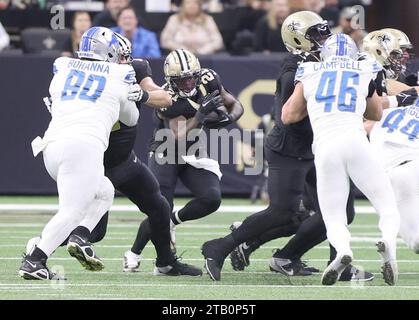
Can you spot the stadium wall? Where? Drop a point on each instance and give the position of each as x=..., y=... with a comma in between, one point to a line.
x=25, y=80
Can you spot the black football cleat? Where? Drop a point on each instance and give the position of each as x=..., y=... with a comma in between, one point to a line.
x=36, y=270
x=177, y=268
x=214, y=260
x=82, y=250
x=291, y=268
x=239, y=257
x=333, y=271
x=352, y=273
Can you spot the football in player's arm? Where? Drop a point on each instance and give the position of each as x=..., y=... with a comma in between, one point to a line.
x=217, y=100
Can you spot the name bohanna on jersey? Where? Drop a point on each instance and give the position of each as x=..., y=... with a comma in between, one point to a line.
x=88, y=97
x=336, y=91
x=395, y=137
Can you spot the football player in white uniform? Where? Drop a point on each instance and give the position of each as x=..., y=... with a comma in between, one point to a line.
x=336, y=93
x=88, y=96
x=395, y=139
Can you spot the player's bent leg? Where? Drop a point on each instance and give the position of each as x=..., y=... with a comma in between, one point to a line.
x=405, y=182
x=370, y=177
x=78, y=244
x=205, y=186
x=333, y=192
x=76, y=164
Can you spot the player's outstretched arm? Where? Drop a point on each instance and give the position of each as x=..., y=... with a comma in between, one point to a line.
x=158, y=97
x=374, y=110
x=295, y=109
x=394, y=87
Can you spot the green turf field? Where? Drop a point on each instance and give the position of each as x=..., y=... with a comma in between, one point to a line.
x=257, y=282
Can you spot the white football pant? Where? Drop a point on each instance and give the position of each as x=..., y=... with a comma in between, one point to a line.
x=405, y=182
x=83, y=190
x=350, y=156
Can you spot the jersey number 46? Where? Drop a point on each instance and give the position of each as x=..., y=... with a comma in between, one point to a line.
x=328, y=82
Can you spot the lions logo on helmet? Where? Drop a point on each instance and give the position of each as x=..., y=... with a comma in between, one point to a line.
x=99, y=43
x=182, y=72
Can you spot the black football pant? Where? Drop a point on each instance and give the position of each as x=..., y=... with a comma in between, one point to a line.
x=289, y=179
x=204, y=185
x=135, y=180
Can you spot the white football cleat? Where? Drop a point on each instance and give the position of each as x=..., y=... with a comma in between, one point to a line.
x=389, y=267
x=131, y=261
x=332, y=273
x=32, y=243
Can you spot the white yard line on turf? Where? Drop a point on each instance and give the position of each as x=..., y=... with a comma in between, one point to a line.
x=183, y=285
x=133, y=208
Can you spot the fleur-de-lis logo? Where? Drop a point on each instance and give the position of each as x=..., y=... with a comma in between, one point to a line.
x=294, y=26
x=384, y=38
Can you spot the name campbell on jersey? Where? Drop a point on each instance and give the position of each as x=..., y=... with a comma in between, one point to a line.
x=88, y=97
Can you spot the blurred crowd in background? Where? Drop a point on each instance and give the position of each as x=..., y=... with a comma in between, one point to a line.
x=202, y=26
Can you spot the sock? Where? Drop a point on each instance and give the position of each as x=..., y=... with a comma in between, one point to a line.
x=82, y=232
x=38, y=255
x=175, y=218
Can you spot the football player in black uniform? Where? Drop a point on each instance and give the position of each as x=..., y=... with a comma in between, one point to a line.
x=134, y=179
x=196, y=92
x=291, y=172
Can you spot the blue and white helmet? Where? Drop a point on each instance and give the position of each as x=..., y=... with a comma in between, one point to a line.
x=340, y=45
x=99, y=43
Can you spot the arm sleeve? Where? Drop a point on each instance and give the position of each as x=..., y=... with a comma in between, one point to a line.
x=371, y=88
x=142, y=69
x=286, y=86
x=128, y=113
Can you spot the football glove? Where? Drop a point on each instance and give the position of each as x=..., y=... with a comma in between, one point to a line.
x=223, y=121
x=208, y=104
x=136, y=94
x=48, y=103
x=407, y=97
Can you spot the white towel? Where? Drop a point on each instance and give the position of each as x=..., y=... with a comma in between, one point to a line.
x=204, y=163
x=38, y=145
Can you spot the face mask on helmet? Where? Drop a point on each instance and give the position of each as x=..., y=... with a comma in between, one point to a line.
x=186, y=85
x=317, y=35
x=396, y=62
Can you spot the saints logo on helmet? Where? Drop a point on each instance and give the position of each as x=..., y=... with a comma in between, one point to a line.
x=304, y=31
x=182, y=72
x=385, y=48
x=404, y=43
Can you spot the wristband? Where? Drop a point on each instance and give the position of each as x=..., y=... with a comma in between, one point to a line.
x=392, y=100
x=145, y=97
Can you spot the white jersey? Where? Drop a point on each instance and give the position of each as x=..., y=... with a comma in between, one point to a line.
x=395, y=137
x=336, y=91
x=88, y=98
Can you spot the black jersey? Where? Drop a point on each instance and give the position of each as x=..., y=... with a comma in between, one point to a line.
x=186, y=107
x=122, y=138
x=292, y=140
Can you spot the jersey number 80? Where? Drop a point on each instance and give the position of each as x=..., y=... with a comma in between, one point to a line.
x=73, y=86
